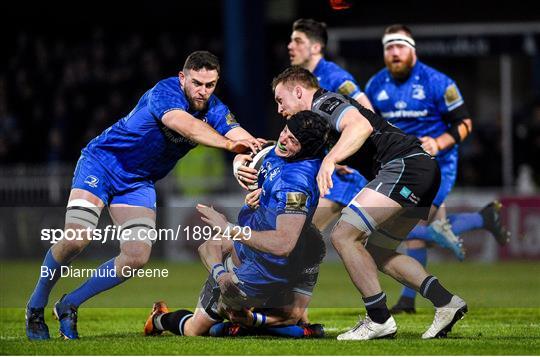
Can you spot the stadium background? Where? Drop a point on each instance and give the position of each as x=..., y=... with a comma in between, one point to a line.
x=69, y=70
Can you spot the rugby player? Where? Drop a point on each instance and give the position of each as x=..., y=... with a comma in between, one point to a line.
x=306, y=49
x=118, y=169
x=275, y=266
x=404, y=182
x=426, y=103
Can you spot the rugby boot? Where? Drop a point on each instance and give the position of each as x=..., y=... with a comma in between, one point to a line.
x=491, y=214
x=445, y=318
x=36, y=328
x=441, y=232
x=66, y=314
x=367, y=329
x=159, y=308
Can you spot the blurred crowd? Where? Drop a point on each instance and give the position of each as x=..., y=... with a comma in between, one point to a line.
x=57, y=92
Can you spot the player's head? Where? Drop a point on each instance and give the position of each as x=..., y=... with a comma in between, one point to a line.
x=291, y=90
x=308, y=39
x=399, y=50
x=304, y=136
x=199, y=78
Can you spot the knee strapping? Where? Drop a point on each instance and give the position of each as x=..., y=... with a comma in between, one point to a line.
x=83, y=213
x=355, y=215
x=141, y=229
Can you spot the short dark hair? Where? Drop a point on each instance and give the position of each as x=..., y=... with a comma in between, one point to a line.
x=395, y=28
x=296, y=74
x=202, y=59
x=314, y=30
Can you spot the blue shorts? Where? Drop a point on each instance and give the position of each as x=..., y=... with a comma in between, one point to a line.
x=346, y=187
x=90, y=175
x=448, y=179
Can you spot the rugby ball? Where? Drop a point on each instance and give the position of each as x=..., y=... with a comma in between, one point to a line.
x=256, y=163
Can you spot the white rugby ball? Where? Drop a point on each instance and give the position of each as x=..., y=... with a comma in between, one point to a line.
x=256, y=163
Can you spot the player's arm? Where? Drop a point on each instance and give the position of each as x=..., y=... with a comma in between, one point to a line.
x=457, y=117
x=363, y=100
x=355, y=130
x=279, y=242
x=200, y=132
x=458, y=131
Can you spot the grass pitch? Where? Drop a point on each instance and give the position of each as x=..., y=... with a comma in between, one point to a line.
x=503, y=318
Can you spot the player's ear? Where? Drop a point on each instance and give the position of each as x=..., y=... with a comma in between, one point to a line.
x=298, y=92
x=316, y=47
x=182, y=77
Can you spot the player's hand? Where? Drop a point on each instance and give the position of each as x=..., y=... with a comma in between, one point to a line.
x=343, y=169
x=244, y=175
x=252, y=198
x=241, y=146
x=228, y=287
x=430, y=145
x=324, y=177
x=213, y=217
x=242, y=317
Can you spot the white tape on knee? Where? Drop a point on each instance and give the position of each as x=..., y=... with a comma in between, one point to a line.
x=355, y=215
x=142, y=229
x=83, y=213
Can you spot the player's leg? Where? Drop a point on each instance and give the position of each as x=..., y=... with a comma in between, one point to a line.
x=136, y=223
x=359, y=219
x=83, y=211
x=346, y=187
x=449, y=308
x=326, y=212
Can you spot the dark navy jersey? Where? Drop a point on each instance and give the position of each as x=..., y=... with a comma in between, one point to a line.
x=287, y=188
x=423, y=105
x=385, y=143
x=140, y=147
x=335, y=79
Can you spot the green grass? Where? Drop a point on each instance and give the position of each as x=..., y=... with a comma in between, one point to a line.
x=503, y=319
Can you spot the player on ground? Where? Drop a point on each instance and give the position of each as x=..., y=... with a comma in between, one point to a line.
x=306, y=49
x=425, y=103
x=118, y=169
x=277, y=259
x=404, y=182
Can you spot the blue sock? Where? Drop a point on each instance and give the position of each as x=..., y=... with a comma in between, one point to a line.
x=464, y=222
x=420, y=232
x=294, y=331
x=420, y=254
x=101, y=281
x=44, y=285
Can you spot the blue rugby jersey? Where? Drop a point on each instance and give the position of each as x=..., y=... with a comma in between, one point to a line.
x=333, y=78
x=140, y=147
x=287, y=188
x=418, y=105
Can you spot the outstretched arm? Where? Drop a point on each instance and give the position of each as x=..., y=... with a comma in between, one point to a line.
x=200, y=132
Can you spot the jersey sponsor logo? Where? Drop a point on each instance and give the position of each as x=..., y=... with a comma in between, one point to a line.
x=400, y=104
x=274, y=173
x=347, y=88
x=418, y=92
x=382, y=95
x=230, y=119
x=329, y=105
x=407, y=193
x=451, y=95
x=296, y=201
x=405, y=114
x=91, y=181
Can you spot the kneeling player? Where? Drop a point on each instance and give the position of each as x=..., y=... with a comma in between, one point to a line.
x=273, y=259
